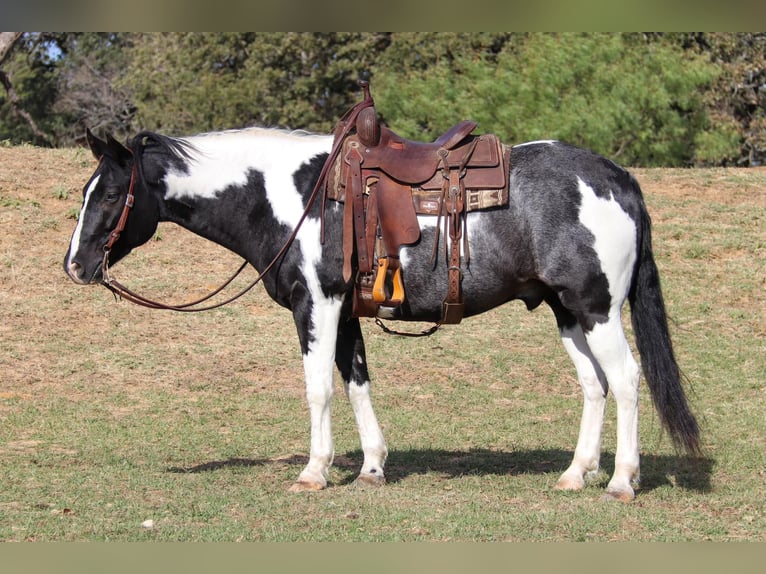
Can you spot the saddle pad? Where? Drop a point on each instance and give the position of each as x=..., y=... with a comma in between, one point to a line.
x=427, y=202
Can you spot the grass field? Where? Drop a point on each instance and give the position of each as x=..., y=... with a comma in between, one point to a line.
x=113, y=415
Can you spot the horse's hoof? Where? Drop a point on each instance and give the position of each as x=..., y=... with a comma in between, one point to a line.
x=570, y=483
x=370, y=480
x=618, y=496
x=306, y=486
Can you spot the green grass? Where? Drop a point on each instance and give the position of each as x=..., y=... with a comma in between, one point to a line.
x=111, y=415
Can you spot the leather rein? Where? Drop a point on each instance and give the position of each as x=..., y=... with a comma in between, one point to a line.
x=121, y=291
x=343, y=128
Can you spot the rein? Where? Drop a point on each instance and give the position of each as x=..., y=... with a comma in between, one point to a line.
x=343, y=128
x=123, y=292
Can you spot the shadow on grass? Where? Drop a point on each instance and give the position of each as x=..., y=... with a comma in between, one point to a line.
x=656, y=470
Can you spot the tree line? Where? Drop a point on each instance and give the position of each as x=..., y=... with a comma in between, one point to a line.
x=681, y=99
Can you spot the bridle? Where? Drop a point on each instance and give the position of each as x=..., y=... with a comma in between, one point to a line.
x=123, y=292
x=344, y=126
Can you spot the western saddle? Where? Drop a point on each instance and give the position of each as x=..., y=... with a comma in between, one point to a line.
x=386, y=181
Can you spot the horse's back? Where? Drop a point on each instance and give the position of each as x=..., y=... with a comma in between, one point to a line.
x=546, y=178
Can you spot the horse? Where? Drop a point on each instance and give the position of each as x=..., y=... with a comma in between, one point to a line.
x=575, y=235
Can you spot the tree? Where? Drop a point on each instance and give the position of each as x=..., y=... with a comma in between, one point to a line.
x=89, y=93
x=632, y=99
x=191, y=82
x=737, y=100
x=7, y=42
x=60, y=83
x=643, y=99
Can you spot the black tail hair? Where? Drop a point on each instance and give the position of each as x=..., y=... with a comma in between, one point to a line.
x=650, y=325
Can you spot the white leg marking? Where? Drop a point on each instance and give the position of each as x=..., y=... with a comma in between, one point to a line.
x=370, y=435
x=594, y=388
x=610, y=348
x=615, y=245
x=318, y=365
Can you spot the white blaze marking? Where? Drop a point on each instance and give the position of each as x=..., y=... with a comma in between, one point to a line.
x=74, y=244
x=615, y=234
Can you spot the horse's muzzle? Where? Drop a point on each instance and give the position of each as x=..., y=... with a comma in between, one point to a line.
x=77, y=273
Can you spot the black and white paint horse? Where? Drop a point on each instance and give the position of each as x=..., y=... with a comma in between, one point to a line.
x=575, y=235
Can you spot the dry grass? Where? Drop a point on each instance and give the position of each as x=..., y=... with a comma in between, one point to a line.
x=112, y=414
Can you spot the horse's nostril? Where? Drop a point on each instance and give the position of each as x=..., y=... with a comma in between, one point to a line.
x=75, y=270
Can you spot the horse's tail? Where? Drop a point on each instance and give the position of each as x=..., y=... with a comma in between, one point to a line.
x=650, y=325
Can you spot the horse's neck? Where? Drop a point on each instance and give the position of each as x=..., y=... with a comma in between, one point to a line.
x=239, y=189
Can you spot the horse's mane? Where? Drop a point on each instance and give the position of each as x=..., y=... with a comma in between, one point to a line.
x=176, y=147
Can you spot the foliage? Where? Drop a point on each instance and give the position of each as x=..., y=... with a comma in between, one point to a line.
x=67, y=82
x=90, y=95
x=638, y=102
x=34, y=79
x=737, y=101
x=643, y=99
x=191, y=82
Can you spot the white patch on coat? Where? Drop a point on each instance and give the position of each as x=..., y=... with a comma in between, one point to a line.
x=474, y=225
x=74, y=244
x=224, y=159
x=615, y=238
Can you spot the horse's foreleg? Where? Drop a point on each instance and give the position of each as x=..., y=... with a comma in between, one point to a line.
x=594, y=387
x=351, y=360
x=317, y=323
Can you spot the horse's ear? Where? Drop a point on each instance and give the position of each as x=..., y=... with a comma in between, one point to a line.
x=110, y=148
x=97, y=146
x=117, y=151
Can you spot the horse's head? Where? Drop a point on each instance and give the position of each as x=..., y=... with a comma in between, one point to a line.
x=104, y=201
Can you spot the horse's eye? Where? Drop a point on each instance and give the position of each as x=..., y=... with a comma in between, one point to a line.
x=111, y=196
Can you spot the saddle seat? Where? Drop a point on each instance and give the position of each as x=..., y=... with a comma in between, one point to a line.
x=405, y=160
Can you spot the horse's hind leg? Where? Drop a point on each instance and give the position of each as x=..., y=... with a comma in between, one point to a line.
x=351, y=360
x=594, y=387
x=610, y=348
x=603, y=361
